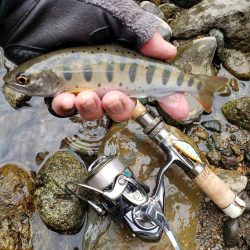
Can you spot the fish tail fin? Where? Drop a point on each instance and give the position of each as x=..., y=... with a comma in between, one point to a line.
x=210, y=85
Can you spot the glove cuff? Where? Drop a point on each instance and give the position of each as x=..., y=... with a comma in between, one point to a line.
x=140, y=22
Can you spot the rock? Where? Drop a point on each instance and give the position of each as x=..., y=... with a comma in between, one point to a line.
x=163, y=28
x=246, y=198
x=198, y=54
x=212, y=125
x=226, y=91
x=214, y=157
x=201, y=133
x=15, y=99
x=247, y=151
x=233, y=179
x=40, y=157
x=220, y=42
x=169, y=10
x=234, y=84
x=237, y=63
x=152, y=8
x=235, y=149
x=229, y=162
x=185, y=3
x=17, y=208
x=57, y=207
x=144, y=157
x=232, y=17
x=238, y=112
x=231, y=232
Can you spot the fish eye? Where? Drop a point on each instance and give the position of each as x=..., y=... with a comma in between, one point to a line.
x=22, y=78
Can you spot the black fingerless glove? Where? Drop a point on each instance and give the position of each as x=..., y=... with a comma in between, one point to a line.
x=32, y=27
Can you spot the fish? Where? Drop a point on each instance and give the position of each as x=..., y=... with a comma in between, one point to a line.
x=105, y=68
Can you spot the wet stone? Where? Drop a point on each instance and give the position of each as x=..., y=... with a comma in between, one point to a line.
x=229, y=162
x=59, y=209
x=201, y=133
x=164, y=28
x=198, y=54
x=238, y=112
x=237, y=63
x=234, y=84
x=231, y=232
x=226, y=91
x=15, y=99
x=229, y=16
x=235, y=149
x=214, y=157
x=247, y=151
x=185, y=3
x=144, y=157
x=169, y=10
x=152, y=8
x=212, y=125
x=40, y=157
x=16, y=208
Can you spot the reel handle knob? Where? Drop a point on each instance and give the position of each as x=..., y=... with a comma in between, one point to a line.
x=220, y=193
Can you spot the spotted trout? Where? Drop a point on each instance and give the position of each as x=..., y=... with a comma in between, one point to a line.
x=106, y=68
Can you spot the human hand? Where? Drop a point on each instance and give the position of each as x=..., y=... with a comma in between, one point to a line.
x=55, y=24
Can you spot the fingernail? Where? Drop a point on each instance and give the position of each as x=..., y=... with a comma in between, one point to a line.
x=172, y=101
x=89, y=106
x=116, y=107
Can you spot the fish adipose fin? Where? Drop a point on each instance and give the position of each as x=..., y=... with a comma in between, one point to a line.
x=209, y=85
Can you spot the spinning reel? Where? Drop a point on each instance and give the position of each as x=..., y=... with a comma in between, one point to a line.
x=121, y=195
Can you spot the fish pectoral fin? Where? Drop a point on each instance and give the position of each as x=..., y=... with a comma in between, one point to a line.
x=210, y=85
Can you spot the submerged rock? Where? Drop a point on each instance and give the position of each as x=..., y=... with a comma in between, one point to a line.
x=238, y=112
x=16, y=208
x=144, y=157
x=15, y=99
x=237, y=63
x=232, y=17
x=57, y=207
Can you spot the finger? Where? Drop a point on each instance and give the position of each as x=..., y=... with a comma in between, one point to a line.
x=175, y=105
x=118, y=106
x=64, y=104
x=158, y=48
x=89, y=105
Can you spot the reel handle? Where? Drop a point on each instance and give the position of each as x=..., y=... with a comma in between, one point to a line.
x=220, y=193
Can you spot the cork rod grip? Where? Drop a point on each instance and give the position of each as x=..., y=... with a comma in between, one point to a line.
x=139, y=110
x=220, y=193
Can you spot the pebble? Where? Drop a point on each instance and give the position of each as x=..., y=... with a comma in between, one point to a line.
x=152, y=8
x=226, y=91
x=234, y=84
x=212, y=125
x=229, y=162
x=214, y=157
x=235, y=149
x=231, y=232
x=201, y=133
x=240, y=158
x=164, y=29
x=40, y=157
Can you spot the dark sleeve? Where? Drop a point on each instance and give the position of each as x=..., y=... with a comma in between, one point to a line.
x=32, y=27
